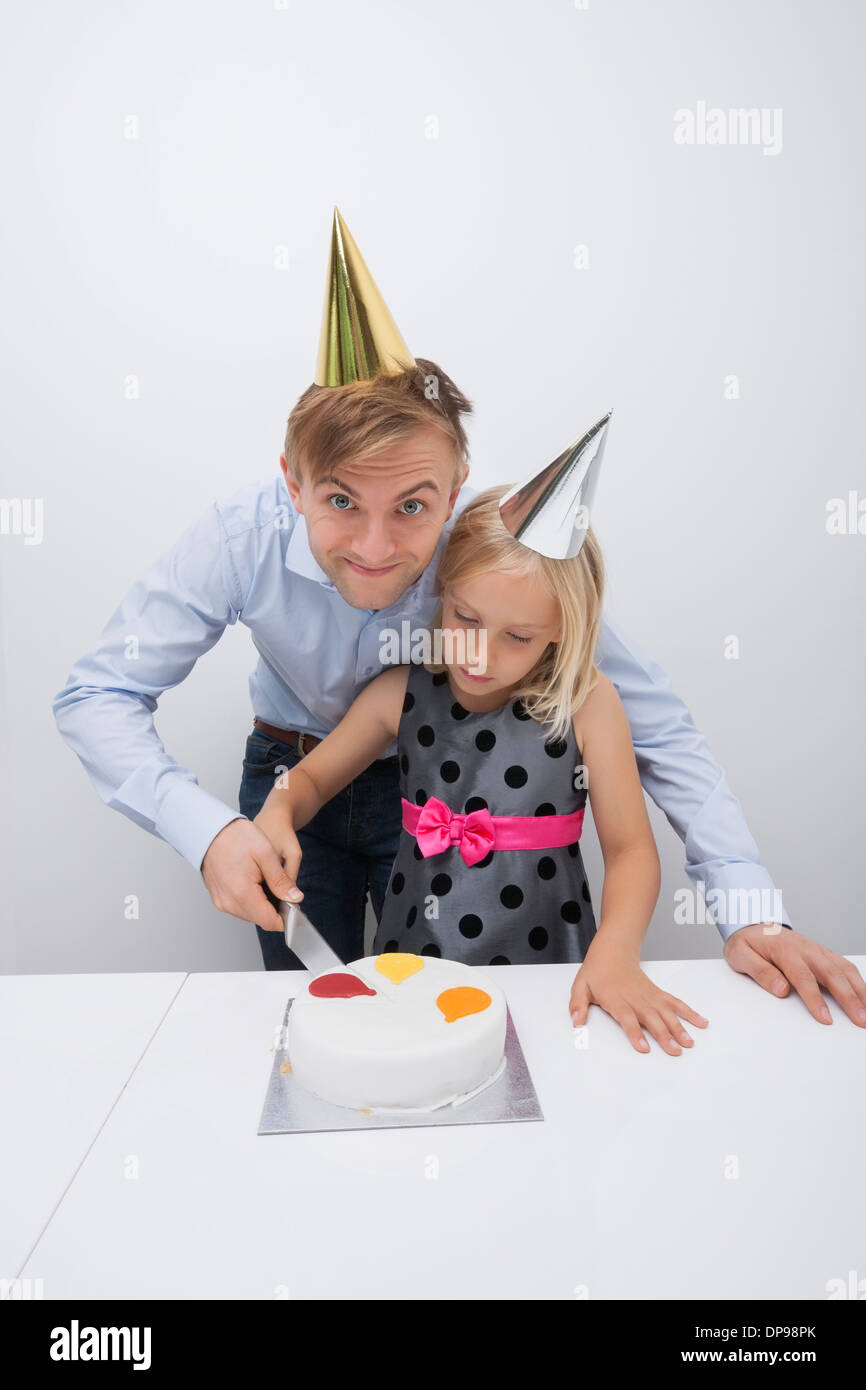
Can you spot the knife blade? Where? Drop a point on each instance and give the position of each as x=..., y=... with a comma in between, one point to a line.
x=308, y=944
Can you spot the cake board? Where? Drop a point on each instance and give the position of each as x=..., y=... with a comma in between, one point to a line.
x=289, y=1108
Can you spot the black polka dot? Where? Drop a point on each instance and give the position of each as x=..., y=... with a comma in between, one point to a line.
x=416, y=850
x=420, y=796
x=546, y=867
x=404, y=764
x=538, y=938
x=519, y=711
x=516, y=776
x=408, y=702
x=484, y=740
x=570, y=911
x=450, y=771
x=411, y=915
x=574, y=849
x=511, y=895
x=584, y=891
x=546, y=808
x=470, y=925
x=392, y=946
x=500, y=960
x=397, y=883
x=476, y=803
x=426, y=736
x=556, y=749
x=440, y=884
x=439, y=679
x=482, y=863
x=457, y=711
x=430, y=950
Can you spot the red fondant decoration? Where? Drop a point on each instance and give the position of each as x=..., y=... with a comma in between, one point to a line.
x=339, y=987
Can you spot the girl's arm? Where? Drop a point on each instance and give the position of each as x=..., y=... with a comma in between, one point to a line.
x=361, y=736
x=611, y=975
x=631, y=864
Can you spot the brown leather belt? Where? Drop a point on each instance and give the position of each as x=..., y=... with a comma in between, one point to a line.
x=297, y=738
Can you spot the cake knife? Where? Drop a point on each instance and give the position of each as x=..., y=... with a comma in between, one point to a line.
x=308, y=944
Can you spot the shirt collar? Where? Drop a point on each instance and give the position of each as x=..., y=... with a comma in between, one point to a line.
x=300, y=558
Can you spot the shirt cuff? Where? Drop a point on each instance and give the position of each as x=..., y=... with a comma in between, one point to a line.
x=738, y=895
x=190, y=818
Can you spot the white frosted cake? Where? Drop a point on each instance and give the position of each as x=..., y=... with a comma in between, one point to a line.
x=397, y=1032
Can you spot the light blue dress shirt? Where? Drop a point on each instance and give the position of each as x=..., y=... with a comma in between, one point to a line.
x=248, y=558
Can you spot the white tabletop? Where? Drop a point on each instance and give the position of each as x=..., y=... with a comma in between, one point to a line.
x=732, y=1171
x=68, y=1046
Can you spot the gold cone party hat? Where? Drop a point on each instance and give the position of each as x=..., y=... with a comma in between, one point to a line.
x=551, y=511
x=359, y=337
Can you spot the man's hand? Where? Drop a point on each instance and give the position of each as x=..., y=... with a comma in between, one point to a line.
x=777, y=958
x=236, y=862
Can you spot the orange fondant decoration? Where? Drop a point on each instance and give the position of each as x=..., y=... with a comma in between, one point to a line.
x=462, y=1000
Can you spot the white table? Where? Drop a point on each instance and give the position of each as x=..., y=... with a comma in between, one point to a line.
x=68, y=1046
x=732, y=1171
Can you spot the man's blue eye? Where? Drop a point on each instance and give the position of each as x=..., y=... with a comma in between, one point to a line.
x=339, y=498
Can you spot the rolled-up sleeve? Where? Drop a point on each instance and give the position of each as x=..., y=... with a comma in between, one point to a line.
x=166, y=621
x=681, y=776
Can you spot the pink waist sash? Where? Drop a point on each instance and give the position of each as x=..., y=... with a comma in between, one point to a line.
x=436, y=827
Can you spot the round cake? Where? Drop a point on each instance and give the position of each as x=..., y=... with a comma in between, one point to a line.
x=397, y=1032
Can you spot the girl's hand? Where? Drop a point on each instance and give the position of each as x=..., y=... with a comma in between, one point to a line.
x=614, y=981
x=275, y=821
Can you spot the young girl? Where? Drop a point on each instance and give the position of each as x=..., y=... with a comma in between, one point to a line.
x=498, y=750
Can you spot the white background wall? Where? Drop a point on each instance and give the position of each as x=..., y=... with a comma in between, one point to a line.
x=156, y=257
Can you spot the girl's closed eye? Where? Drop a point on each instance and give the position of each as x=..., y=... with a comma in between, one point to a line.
x=463, y=618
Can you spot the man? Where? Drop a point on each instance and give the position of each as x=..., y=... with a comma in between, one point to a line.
x=317, y=563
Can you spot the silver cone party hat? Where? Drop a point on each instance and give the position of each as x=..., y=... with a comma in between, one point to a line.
x=551, y=511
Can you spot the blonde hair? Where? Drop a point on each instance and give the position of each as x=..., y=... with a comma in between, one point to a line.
x=330, y=425
x=565, y=673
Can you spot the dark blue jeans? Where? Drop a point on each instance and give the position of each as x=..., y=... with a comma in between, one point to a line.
x=348, y=848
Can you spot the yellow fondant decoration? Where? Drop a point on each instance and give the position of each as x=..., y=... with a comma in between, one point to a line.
x=397, y=966
x=462, y=1000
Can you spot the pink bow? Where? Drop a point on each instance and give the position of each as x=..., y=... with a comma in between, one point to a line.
x=438, y=827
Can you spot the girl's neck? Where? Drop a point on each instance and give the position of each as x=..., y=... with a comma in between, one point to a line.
x=480, y=704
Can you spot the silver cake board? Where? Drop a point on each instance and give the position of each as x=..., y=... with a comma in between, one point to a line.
x=289, y=1108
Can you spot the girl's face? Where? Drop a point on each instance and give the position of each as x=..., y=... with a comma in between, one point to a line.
x=502, y=624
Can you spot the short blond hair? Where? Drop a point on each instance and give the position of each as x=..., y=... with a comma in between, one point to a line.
x=565, y=673
x=330, y=425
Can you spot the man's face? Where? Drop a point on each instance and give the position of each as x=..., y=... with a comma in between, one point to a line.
x=373, y=525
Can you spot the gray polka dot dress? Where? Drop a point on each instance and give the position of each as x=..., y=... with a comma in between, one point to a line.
x=513, y=907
